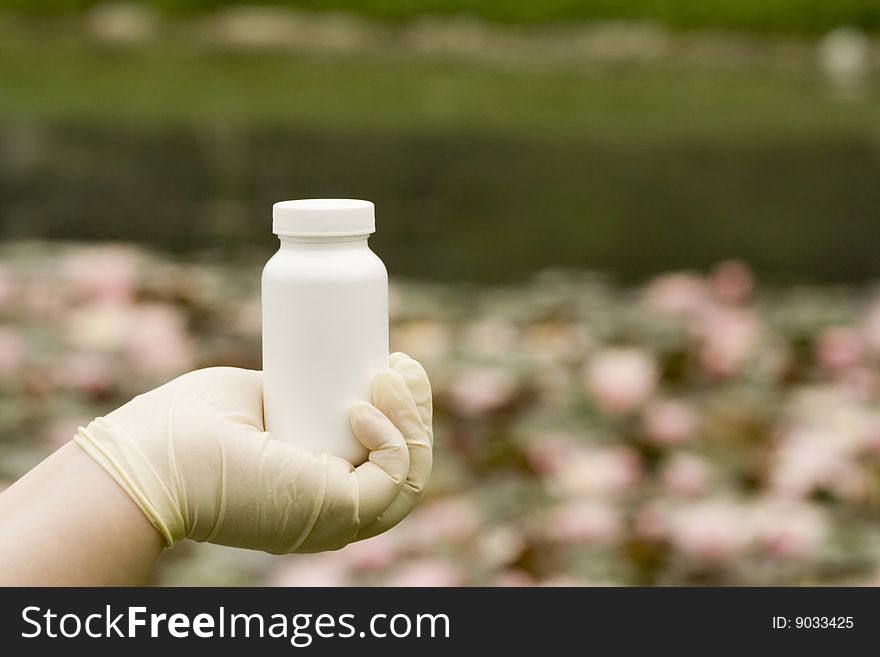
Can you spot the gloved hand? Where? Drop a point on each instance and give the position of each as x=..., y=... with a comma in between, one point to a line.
x=194, y=457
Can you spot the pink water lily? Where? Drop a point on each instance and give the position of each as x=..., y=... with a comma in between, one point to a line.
x=620, y=379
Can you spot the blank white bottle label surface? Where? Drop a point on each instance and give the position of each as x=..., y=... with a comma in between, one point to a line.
x=325, y=324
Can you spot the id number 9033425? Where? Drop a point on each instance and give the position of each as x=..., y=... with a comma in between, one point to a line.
x=813, y=622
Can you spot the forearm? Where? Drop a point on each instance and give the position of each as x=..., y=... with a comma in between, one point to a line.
x=67, y=523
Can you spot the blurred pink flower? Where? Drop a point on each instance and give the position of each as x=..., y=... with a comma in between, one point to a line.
x=90, y=373
x=808, y=459
x=45, y=299
x=830, y=414
x=514, y=579
x=500, y=546
x=584, y=521
x=427, y=572
x=549, y=451
x=800, y=464
x=686, y=475
x=153, y=338
x=157, y=343
x=728, y=338
x=621, y=379
x=491, y=338
x=732, y=282
x=307, y=571
x=39, y=379
x=375, y=553
x=598, y=471
x=481, y=390
x=652, y=521
x=107, y=274
x=669, y=422
x=452, y=520
x=712, y=531
x=100, y=326
x=425, y=340
x=849, y=482
x=839, y=348
x=789, y=530
x=678, y=294
x=862, y=380
x=555, y=341
x=13, y=351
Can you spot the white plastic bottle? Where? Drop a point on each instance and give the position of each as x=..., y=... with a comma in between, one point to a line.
x=325, y=323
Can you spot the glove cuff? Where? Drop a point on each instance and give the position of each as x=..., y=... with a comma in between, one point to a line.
x=118, y=453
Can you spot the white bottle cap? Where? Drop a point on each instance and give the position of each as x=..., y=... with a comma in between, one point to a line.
x=323, y=217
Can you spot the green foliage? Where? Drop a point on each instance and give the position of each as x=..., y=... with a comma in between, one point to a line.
x=805, y=16
x=422, y=95
x=632, y=170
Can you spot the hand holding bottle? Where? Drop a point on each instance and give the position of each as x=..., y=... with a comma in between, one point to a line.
x=195, y=458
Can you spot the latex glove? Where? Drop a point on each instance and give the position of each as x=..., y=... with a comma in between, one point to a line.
x=194, y=457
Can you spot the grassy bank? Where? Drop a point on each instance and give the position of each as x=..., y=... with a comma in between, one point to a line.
x=70, y=80
x=483, y=173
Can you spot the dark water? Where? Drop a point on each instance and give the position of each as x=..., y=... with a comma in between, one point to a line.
x=465, y=208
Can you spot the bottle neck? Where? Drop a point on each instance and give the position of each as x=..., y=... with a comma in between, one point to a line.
x=336, y=242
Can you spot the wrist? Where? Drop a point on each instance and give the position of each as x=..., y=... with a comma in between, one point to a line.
x=68, y=523
x=114, y=449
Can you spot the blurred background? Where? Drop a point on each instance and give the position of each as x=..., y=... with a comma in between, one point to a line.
x=633, y=242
